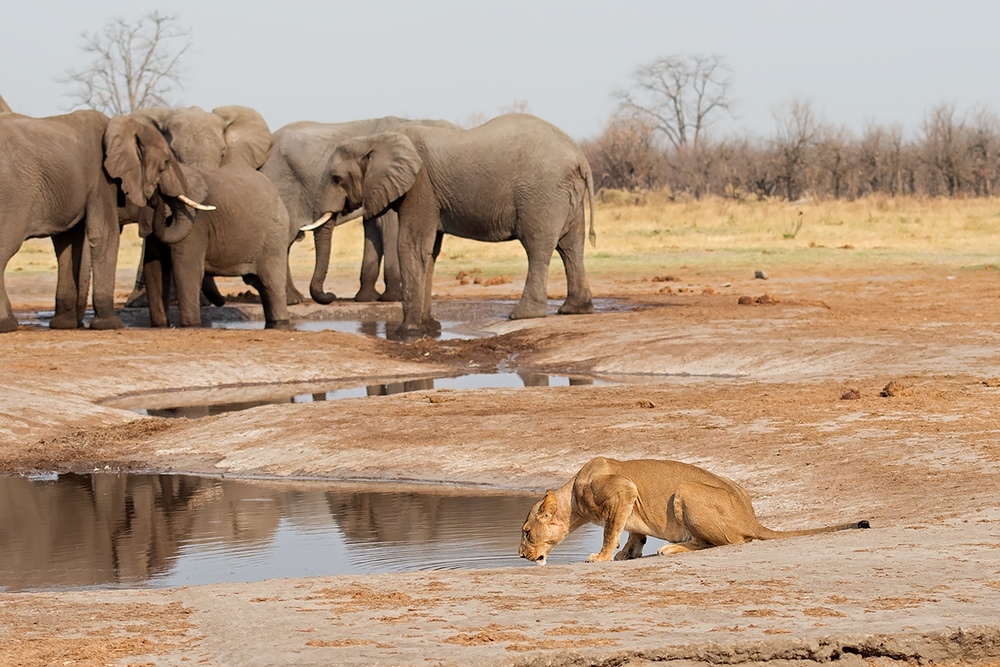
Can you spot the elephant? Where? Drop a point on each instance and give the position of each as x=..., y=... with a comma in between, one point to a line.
x=514, y=177
x=226, y=135
x=298, y=159
x=52, y=183
x=243, y=229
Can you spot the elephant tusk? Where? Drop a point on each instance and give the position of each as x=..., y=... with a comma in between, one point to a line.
x=319, y=223
x=193, y=204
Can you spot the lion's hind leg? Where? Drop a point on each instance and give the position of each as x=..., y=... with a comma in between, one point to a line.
x=713, y=515
x=633, y=547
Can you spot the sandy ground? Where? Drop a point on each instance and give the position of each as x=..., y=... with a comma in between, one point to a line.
x=782, y=394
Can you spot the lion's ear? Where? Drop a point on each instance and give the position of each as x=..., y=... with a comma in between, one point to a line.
x=549, y=503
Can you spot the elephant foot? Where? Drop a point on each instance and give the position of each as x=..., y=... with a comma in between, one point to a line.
x=106, y=323
x=367, y=294
x=8, y=324
x=407, y=333
x=294, y=295
x=280, y=325
x=64, y=321
x=524, y=311
x=391, y=295
x=577, y=307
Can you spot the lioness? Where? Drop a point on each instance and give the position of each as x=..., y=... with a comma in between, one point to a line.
x=677, y=502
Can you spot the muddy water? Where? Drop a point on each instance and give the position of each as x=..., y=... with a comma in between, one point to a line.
x=155, y=531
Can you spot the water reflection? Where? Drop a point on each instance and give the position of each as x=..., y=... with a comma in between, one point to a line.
x=374, y=328
x=194, y=408
x=153, y=531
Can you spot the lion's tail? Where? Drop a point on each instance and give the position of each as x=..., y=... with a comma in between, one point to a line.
x=768, y=534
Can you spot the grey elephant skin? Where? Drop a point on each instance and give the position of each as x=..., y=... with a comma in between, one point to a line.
x=225, y=136
x=52, y=184
x=516, y=177
x=247, y=234
x=299, y=158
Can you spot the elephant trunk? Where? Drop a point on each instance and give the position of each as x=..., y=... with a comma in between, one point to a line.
x=322, y=238
x=177, y=226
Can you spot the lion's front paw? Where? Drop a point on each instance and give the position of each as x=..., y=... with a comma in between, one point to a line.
x=597, y=558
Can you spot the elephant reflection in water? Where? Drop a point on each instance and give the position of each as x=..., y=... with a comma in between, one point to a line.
x=105, y=528
x=418, y=518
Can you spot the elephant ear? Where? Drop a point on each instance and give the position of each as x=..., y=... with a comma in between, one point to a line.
x=123, y=157
x=248, y=138
x=136, y=153
x=390, y=171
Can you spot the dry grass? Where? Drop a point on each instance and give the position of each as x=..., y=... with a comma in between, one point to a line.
x=643, y=232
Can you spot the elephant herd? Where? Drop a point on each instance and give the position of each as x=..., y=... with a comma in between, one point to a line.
x=215, y=193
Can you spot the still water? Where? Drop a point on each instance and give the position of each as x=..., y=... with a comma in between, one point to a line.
x=66, y=532
x=204, y=403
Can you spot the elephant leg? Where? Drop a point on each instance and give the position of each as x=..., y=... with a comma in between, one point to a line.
x=188, y=272
x=416, y=265
x=137, y=296
x=431, y=325
x=371, y=261
x=7, y=320
x=156, y=271
x=104, y=243
x=211, y=292
x=270, y=282
x=579, y=300
x=292, y=295
x=388, y=224
x=69, y=247
x=534, y=298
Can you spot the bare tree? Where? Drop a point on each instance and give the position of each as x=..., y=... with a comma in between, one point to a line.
x=680, y=96
x=943, y=149
x=836, y=153
x=135, y=65
x=798, y=131
x=984, y=149
x=625, y=155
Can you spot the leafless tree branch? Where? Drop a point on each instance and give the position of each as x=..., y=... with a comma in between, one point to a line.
x=680, y=95
x=134, y=65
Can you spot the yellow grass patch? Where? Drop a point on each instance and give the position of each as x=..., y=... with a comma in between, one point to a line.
x=645, y=231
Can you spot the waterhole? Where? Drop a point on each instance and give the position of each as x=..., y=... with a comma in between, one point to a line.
x=194, y=402
x=459, y=318
x=68, y=532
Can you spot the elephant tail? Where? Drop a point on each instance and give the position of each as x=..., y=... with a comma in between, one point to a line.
x=588, y=179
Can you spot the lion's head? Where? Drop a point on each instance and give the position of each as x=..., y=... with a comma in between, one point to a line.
x=542, y=530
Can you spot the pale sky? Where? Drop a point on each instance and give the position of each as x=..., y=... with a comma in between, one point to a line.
x=858, y=60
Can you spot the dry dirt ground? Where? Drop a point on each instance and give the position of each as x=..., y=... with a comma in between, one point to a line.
x=782, y=394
